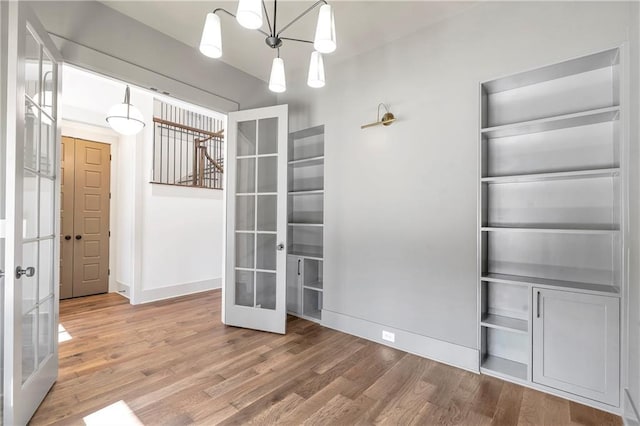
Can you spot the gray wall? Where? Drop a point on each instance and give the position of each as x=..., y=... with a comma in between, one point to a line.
x=139, y=48
x=400, y=202
x=632, y=359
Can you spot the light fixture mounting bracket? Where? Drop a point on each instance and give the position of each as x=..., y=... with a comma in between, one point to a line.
x=273, y=42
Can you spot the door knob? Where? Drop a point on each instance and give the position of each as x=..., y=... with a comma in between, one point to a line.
x=29, y=272
x=67, y=237
x=78, y=237
x=280, y=246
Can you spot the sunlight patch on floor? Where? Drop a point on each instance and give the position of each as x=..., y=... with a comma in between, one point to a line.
x=117, y=413
x=63, y=334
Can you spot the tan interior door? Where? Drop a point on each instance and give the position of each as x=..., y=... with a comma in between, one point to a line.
x=67, y=185
x=85, y=218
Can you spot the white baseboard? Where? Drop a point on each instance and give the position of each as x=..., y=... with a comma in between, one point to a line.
x=631, y=417
x=122, y=289
x=169, y=292
x=427, y=347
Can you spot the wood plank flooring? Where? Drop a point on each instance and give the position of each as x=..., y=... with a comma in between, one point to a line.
x=174, y=363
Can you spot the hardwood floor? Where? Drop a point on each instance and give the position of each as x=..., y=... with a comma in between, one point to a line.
x=174, y=363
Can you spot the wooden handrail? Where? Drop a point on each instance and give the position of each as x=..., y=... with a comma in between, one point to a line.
x=211, y=160
x=218, y=134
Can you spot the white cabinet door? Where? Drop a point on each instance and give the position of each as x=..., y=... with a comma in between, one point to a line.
x=254, y=289
x=30, y=73
x=576, y=344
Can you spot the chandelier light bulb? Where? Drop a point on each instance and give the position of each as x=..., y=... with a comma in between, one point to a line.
x=277, y=81
x=316, y=71
x=211, y=42
x=249, y=14
x=325, y=39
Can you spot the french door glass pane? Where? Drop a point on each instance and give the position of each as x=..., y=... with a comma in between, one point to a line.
x=245, y=250
x=29, y=333
x=268, y=136
x=268, y=174
x=29, y=284
x=267, y=210
x=266, y=251
x=45, y=269
x=45, y=329
x=47, y=147
x=246, y=178
x=246, y=138
x=266, y=290
x=47, y=200
x=48, y=87
x=244, y=288
x=32, y=65
x=245, y=212
x=29, y=205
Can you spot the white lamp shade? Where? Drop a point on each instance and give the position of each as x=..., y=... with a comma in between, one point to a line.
x=211, y=42
x=325, y=39
x=249, y=14
x=277, y=81
x=125, y=119
x=316, y=71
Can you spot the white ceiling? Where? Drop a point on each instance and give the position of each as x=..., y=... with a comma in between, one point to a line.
x=360, y=26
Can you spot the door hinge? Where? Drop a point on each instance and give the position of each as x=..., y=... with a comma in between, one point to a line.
x=109, y=233
x=110, y=157
x=109, y=195
x=108, y=271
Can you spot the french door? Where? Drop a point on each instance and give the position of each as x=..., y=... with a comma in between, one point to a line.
x=31, y=72
x=256, y=219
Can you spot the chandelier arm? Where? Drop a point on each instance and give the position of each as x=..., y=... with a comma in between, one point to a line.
x=296, y=39
x=316, y=4
x=233, y=16
x=272, y=31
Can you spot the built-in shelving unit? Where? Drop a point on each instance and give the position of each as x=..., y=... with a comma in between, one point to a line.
x=306, y=223
x=551, y=202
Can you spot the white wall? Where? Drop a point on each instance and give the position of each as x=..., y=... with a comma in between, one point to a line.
x=401, y=201
x=166, y=241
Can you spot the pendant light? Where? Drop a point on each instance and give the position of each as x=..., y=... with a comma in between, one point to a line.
x=211, y=42
x=325, y=40
x=277, y=81
x=124, y=118
x=249, y=14
x=315, y=78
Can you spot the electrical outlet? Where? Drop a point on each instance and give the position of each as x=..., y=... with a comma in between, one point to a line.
x=388, y=336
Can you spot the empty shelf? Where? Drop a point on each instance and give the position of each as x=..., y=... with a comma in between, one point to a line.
x=306, y=224
x=549, y=230
x=314, y=191
x=585, y=118
x=578, y=174
x=311, y=252
x=304, y=162
x=317, y=286
x=505, y=367
x=549, y=283
x=505, y=323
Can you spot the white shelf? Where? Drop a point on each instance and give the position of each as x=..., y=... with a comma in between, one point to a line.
x=550, y=230
x=505, y=367
x=311, y=192
x=549, y=283
x=538, y=177
x=316, y=225
x=309, y=252
x=313, y=286
x=599, y=115
x=305, y=162
x=505, y=323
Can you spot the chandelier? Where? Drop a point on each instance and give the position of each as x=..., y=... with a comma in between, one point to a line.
x=250, y=15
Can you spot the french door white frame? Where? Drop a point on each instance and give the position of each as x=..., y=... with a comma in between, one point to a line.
x=245, y=316
x=22, y=399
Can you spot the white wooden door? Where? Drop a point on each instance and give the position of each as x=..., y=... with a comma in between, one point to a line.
x=254, y=288
x=576, y=344
x=31, y=72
